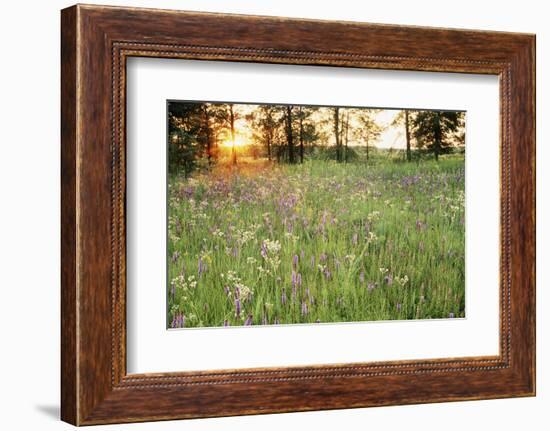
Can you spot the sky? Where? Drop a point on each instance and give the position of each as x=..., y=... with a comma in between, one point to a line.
x=391, y=137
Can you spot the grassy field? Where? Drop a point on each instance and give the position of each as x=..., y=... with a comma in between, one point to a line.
x=318, y=242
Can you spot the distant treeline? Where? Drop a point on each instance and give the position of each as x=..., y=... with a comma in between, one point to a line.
x=293, y=133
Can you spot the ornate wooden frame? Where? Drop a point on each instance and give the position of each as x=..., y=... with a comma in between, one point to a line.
x=95, y=43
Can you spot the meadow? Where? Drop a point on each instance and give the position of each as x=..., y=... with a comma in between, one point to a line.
x=262, y=243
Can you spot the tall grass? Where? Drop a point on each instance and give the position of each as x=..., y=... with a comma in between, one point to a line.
x=320, y=242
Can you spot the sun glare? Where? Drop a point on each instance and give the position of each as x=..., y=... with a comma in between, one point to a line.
x=239, y=142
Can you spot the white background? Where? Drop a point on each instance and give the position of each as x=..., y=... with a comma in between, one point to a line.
x=29, y=216
x=151, y=348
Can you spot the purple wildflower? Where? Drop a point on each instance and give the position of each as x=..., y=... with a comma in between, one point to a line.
x=188, y=191
x=283, y=297
x=226, y=290
x=451, y=315
x=304, y=309
x=295, y=261
x=263, y=250
x=410, y=180
x=371, y=286
x=398, y=306
x=323, y=257
x=237, y=307
x=178, y=321
x=309, y=296
x=299, y=279
x=226, y=323
x=248, y=321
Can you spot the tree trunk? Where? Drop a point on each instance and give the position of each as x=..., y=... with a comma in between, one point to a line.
x=337, y=132
x=408, y=135
x=289, y=140
x=208, y=134
x=232, y=123
x=268, y=132
x=342, y=123
x=437, y=135
x=346, y=139
x=301, y=136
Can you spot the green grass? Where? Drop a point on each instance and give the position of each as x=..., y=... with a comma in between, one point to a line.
x=381, y=241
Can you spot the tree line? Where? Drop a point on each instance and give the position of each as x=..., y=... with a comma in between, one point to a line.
x=291, y=133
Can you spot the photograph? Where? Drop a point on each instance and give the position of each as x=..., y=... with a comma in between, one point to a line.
x=300, y=214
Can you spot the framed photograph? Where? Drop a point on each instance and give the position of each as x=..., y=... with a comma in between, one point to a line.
x=264, y=215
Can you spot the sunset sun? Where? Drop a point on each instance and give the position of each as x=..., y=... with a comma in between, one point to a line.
x=239, y=142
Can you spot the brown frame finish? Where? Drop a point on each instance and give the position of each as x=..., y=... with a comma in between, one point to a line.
x=95, y=43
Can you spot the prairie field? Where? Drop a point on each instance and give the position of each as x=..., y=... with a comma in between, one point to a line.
x=262, y=243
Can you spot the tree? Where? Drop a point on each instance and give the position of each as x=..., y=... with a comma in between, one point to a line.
x=369, y=130
x=404, y=117
x=307, y=130
x=301, y=120
x=289, y=132
x=265, y=122
x=436, y=130
x=408, y=135
x=184, y=130
x=207, y=127
x=225, y=116
x=459, y=137
x=232, y=126
x=279, y=140
x=337, y=131
x=346, y=136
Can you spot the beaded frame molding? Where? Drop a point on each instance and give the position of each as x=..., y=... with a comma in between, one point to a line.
x=95, y=43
